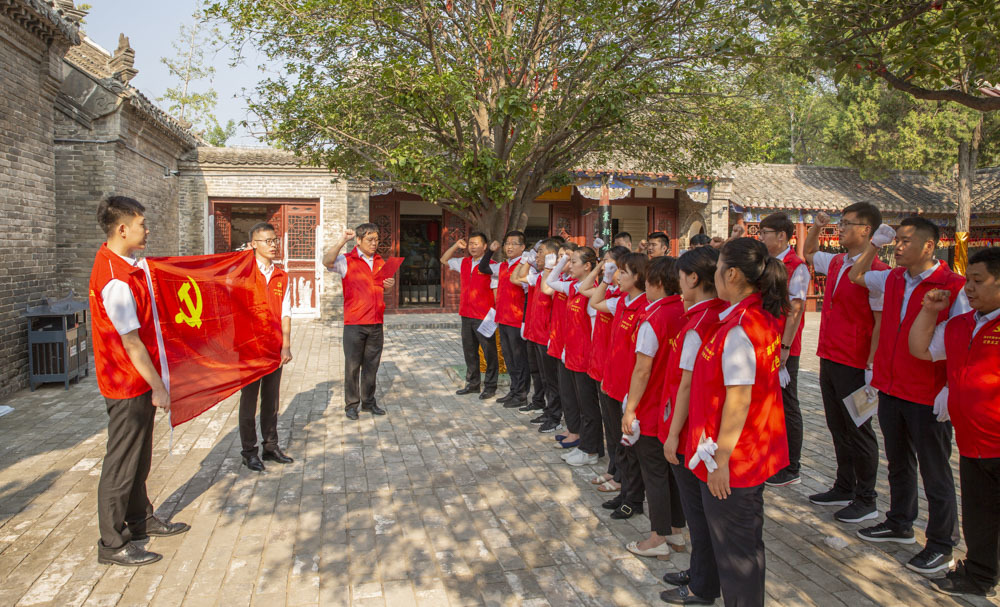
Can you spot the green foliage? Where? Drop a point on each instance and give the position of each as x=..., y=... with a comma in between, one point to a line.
x=218, y=135
x=477, y=105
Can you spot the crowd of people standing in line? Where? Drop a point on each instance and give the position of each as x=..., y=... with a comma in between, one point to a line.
x=684, y=373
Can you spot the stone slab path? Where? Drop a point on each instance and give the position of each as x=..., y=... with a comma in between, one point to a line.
x=444, y=501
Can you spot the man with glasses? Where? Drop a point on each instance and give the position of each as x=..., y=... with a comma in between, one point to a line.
x=264, y=242
x=364, y=306
x=848, y=338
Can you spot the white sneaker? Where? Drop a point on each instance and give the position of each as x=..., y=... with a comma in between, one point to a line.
x=566, y=456
x=581, y=458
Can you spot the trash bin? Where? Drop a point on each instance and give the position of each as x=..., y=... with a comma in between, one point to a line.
x=57, y=341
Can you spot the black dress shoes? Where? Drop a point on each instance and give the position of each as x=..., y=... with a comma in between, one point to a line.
x=626, y=512
x=468, y=390
x=677, y=578
x=374, y=410
x=506, y=397
x=515, y=403
x=682, y=596
x=253, y=462
x=351, y=413
x=129, y=555
x=487, y=394
x=155, y=527
x=277, y=455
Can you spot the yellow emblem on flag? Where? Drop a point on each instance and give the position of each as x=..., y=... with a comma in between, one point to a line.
x=191, y=316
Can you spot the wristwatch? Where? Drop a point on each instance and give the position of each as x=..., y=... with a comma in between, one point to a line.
x=785, y=347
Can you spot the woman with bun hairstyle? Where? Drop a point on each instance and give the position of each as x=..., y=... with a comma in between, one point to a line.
x=577, y=327
x=736, y=424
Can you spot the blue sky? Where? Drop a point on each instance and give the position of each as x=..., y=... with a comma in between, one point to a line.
x=152, y=28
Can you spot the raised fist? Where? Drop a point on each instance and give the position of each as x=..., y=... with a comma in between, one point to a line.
x=937, y=300
x=348, y=234
x=883, y=236
x=494, y=246
x=822, y=220
x=461, y=243
x=738, y=231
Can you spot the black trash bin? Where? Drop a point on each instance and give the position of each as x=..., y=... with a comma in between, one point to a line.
x=57, y=341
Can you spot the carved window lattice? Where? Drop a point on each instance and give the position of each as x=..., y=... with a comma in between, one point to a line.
x=223, y=231
x=456, y=229
x=384, y=223
x=753, y=229
x=301, y=237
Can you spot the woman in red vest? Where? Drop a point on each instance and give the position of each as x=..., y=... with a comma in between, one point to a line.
x=629, y=310
x=696, y=271
x=970, y=346
x=736, y=425
x=557, y=342
x=664, y=317
x=577, y=328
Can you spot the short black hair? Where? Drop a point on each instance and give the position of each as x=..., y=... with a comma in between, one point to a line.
x=622, y=235
x=569, y=245
x=990, y=257
x=478, y=235
x=636, y=263
x=866, y=212
x=364, y=230
x=924, y=227
x=263, y=226
x=699, y=240
x=663, y=271
x=549, y=245
x=617, y=251
x=663, y=238
x=779, y=222
x=114, y=209
x=558, y=238
x=514, y=234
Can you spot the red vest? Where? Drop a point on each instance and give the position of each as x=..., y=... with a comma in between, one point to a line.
x=510, y=297
x=117, y=377
x=557, y=325
x=600, y=340
x=275, y=289
x=364, y=301
x=536, y=327
x=701, y=318
x=666, y=320
x=896, y=371
x=793, y=261
x=477, y=296
x=621, y=347
x=847, y=323
x=973, y=365
x=577, y=329
x=762, y=448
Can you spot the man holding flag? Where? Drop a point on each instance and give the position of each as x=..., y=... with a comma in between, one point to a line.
x=127, y=361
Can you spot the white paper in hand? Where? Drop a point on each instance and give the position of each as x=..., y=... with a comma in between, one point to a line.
x=862, y=404
x=489, y=326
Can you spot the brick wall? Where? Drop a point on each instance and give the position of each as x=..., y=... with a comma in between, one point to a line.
x=28, y=85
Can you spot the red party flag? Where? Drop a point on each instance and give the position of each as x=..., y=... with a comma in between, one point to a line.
x=217, y=333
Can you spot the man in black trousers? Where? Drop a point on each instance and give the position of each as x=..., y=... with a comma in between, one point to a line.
x=364, y=306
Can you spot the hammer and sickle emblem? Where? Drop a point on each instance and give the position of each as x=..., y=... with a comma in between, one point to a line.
x=192, y=316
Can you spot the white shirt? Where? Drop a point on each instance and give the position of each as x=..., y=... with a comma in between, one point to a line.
x=646, y=341
x=875, y=281
x=937, y=348
x=455, y=264
x=692, y=344
x=119, y=302
x=821, y=264
x=739, y=361
x=613, y=303
x=798, y=284
x=286, y=302
x=340, y=265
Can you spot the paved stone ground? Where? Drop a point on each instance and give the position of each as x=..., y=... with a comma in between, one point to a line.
x=445, y=501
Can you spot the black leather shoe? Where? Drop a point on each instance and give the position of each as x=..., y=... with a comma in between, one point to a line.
x=351, y=413
x=487, y=394
x=682, y=596
x=677, y=578
x=374, y=410
x=515, y=403
x=613, y=503
x=277, y=455
x=626, y=512
x=155, y=527
x=468, y=390
x=253, y=462
x=506, y=397
x=129, y=555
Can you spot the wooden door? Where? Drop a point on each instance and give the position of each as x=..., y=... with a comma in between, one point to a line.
x=223, y=227
x=564, y=221
x=385, y=214
x=454, y=228
x=298, y=230
x=663, y=218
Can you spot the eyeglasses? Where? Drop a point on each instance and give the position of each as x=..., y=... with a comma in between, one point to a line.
x=269, y=241
x=768, y=231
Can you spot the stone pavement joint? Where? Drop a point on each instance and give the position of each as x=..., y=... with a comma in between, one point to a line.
x=444, y=501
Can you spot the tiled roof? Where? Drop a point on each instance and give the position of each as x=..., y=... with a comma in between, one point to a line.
x=242, y=156
x=90, y=57
x=986, y=192
x=42, y=18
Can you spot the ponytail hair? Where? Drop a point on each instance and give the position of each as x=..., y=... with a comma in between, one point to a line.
x=588, y=256
x=701, y=262
x=766, y=274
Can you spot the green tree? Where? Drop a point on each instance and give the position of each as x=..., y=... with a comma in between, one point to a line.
x=482, y=106
x=190, y=65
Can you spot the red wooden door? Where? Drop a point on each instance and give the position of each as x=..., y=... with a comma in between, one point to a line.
x=454, y=228
x=385, y=215
x=298, y=229
x=564, y=221
x=223, y=227
x=663, y=218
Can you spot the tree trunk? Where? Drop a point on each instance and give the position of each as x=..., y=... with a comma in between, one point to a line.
x=968, y=157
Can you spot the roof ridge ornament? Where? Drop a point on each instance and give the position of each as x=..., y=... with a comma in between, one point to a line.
x=121, y=63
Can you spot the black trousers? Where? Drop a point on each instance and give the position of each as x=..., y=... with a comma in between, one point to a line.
x=121, y=492
x=633, y=490
x=515, y=355
x=567, y=393
x=912, y=435
x=981, y=518
x=535, y=371
x=549, y=368
x=362, y=356
x=611, y=415
x=703, y=570
x=856, y=447
x=793, y=415
x=662, y=495
x=472, y=340
x=589, y=405
x=736, y=526
x=268, y=387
